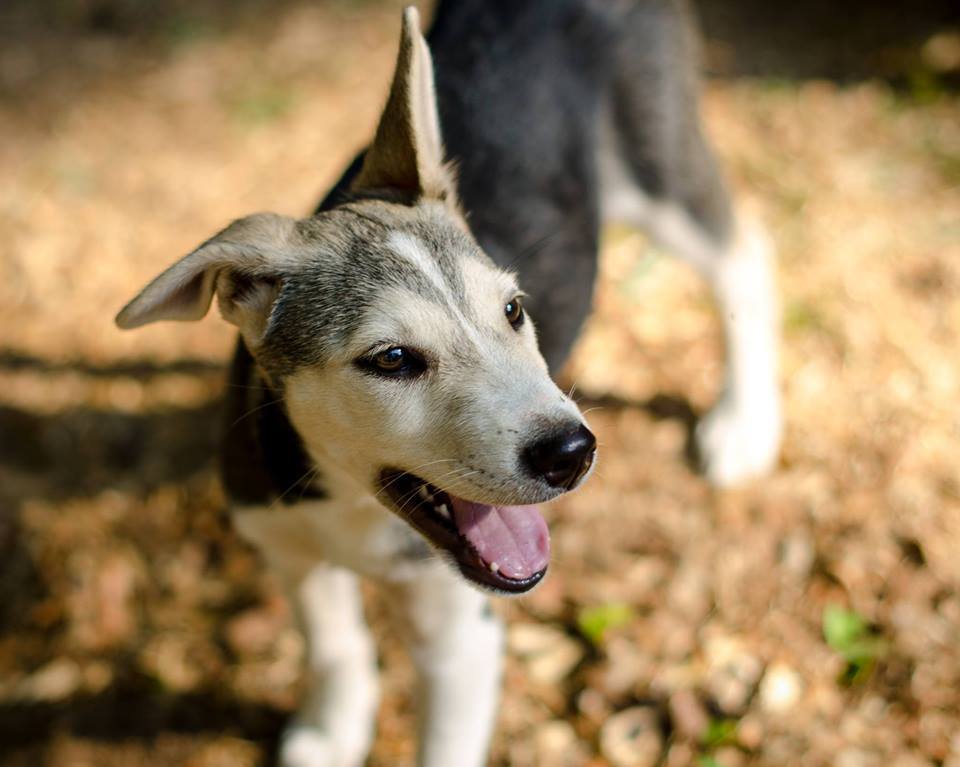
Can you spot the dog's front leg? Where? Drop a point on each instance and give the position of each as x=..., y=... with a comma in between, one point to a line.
x=334, y=726
x=456, y=642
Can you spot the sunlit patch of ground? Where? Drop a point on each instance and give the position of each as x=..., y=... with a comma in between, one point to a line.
x=808, y=619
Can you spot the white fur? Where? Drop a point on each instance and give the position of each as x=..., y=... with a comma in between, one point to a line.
x=740, y=437
x=457, y=645
x=335, y=723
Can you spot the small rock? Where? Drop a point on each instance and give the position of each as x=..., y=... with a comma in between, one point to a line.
x=912, y=759
x=936, y=734
x=680, y=755
x=690, y=719
x=256, y=630
x=689, y=593
x=593, y=706
x=97, y=676
x=729, y=756
x=116, y=582
x=168, y=658
x=557, y=744
x=856, y=757
x=550, y=655
x=632, y=738
x=825, y=698
x=733, y=673
x=225, y=752
x=797, y=554
x=626, y=667
x=750, y=733
x=780, y=689
x=57, y=680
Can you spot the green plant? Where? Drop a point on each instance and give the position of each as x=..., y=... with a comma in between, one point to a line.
x=849, y=634
x=595, y=622
x=719, y=732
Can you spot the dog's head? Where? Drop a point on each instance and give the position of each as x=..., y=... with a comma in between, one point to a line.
x=403, y=353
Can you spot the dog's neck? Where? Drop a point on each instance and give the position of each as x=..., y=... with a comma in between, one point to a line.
x=264, y=460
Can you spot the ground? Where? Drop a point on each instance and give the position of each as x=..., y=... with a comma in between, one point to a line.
x=810, y=618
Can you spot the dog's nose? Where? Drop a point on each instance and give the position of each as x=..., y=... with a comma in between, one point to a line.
x=562, y=459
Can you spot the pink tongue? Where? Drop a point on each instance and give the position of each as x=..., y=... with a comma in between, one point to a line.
x=514, y=537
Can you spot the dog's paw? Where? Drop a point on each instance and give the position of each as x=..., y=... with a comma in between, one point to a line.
x=737, y=442
x=304, y=746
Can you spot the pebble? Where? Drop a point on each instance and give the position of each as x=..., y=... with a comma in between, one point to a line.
x=733, y=673
x=780, y=688
x=57, y=680
x=689, y=594
x=797, y=554
x=690, y=719
x=729, y=756
x=680, y=755
x=856, y=757
x=750, y=733
x=557, y=744
x=632, y=738
x=255, y=630
x=550, y=655
x=593, y=705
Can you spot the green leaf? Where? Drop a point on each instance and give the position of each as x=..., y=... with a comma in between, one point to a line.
x=848, y=633
x=595, y=622
x=719, y=732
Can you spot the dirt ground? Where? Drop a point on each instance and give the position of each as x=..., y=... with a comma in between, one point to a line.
x=809, y=619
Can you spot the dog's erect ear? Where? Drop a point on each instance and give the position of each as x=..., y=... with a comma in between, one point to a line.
x=243, y=264
x=407, y=152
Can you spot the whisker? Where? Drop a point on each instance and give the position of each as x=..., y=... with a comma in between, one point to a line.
x=309, y=475
x=405, y=499
x=254, y=410
x=248, y=386
x=415, y=469
x=531, y=249
x=591, y=409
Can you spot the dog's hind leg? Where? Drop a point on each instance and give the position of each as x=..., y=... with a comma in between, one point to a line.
x=657, y=172
x=456, y=643
x=334, y=727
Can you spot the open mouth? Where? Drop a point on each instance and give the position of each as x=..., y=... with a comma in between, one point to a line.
x=502, y=547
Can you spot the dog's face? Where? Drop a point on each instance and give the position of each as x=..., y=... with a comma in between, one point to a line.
x=404, y=355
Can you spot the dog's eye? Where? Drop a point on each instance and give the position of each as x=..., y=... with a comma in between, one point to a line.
x=514, y=312
x=395, y=362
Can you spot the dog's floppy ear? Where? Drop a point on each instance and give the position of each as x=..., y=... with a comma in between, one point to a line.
x=407, y=152
x=243, y=264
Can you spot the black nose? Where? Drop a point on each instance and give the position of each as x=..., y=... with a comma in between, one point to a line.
x=563, y=458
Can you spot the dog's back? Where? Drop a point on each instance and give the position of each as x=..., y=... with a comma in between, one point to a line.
x=536, y=98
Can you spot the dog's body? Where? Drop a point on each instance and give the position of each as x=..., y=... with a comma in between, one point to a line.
x=386, y=372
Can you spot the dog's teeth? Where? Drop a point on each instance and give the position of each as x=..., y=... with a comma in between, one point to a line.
x=494, y=568
x=443, y=511
x=424, y=493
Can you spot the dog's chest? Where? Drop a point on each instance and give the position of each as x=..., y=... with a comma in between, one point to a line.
x=356, y=533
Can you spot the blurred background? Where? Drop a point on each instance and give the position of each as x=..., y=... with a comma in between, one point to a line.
x=810, y=619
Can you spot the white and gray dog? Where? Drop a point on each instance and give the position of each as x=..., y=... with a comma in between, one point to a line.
x=388, y=396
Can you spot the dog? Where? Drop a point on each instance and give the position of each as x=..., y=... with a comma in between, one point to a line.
x=391, y=399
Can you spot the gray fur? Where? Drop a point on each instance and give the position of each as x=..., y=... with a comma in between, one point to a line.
x=323, y=302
